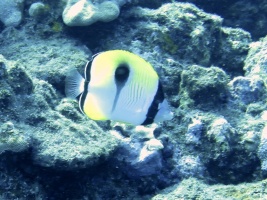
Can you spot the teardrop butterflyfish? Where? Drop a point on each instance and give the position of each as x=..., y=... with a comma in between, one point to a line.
x=119, y=86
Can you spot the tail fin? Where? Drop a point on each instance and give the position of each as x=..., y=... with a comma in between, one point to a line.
x=74, y=84
x=164, y=112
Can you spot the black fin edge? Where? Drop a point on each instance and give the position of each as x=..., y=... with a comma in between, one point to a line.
x=153, y=109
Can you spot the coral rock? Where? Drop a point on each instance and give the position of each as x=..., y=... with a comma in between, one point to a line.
x=11, y=12
x=84, y=12
x=262, y=152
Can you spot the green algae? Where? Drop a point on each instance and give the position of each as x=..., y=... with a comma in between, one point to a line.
x=57, y=26
x=169, y=44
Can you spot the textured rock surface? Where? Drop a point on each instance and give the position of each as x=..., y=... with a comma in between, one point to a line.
x=232, y=40
x=198, y=83
x=56, y=140
x=37, y=9
x=255, y=63
x=249, y=15
x=138, y=155
x=11, y=12
x=262, y=152
x=194, y=132
x=12, y=139
x=193, y=188
x=244, y=90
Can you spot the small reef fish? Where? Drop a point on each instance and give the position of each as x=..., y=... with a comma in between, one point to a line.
x=119, y=86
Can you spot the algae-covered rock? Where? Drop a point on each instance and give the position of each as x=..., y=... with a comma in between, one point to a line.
x=63, y=144
x=51, y=61
x=195, y=189
x=255, y=63
x=138, y=155
x=194, y=132
x=37, y=10
x=262, y=152
x=232, y=149
x=232, y=41
x=205, y=86
x=12, y=139
x=246, y=90
x=19, y=80
x=191, y=166
x=11, y=12
x=180, y=32
x=179, y=29
x=224, y=137
x=60, y=142
x=57, y=138
x=6, y=91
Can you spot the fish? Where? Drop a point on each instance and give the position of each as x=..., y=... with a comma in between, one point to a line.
x=119, y=86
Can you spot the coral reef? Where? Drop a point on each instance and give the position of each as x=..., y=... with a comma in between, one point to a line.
x=213, y=76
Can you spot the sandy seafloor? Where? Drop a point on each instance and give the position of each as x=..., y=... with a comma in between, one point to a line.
x=211, y=57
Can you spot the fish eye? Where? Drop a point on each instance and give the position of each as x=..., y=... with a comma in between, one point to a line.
x=122, y=72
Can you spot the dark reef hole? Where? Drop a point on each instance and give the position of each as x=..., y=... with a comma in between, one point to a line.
x=22, y=178
x=210, y=98
x=28, y=180
x=92, y=35
x=233, y=171
x=2, y=26
x=151, y=4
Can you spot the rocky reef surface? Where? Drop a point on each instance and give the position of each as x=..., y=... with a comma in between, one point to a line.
x=212, y=67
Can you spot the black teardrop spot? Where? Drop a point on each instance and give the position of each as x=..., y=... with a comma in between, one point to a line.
x=122, y=73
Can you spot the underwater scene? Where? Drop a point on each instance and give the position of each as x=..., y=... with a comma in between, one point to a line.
x=133, y=99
